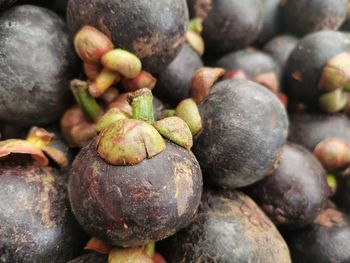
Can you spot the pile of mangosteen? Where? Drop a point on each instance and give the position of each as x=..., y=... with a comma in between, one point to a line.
x=174, y=131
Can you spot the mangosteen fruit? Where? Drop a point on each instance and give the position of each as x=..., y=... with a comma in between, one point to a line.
x=257, y=65
x=244, y=129
x=310, y=129
x=325, y=240
x=173, y=82
x=229, y=227
x=153, y=30
x=36, y=222
x=317, y=71
x=280, y=47
x=232, y=25
x=271, y=20
x=36, y=61
x=306, y=16
x=295, y=193
x=129, y=186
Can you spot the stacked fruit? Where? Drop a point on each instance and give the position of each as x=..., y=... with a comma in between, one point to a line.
x=208, y=131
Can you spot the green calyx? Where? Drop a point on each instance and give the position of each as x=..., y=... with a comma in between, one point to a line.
x=123, y=62
x=332, y=182
x=37, y=144
x=151, y=249
x=168, y=113
x=188, y=111
x=128, y=142
x=195, y=25
x=336, y=73
x=175, y=130
x=88, y=105
x=333, y=101
x=124, y=141
x=110, y=117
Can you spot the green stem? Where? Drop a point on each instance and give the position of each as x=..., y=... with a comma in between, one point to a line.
x=151, y=249
x=142, y=105
x=86, y=102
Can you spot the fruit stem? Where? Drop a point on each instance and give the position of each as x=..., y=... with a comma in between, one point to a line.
x=142, y=105
x=88, y=105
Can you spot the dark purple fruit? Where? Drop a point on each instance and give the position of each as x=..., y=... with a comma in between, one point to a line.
x=173, y=83
x=244, y=129
x=342, y=195
x=92, y=257
x=133, y=205
x=271, y=20
x=346, y=25
x=310, y=129
x=259, y=66
x=325, y=240
x=306, y=16
x=6, y=3
x=60, y=6
x=199, y=8
x=280, y=48
x=36, y=222
x=229, y=227
x=232, y=25
x=295, y=193
x=36, y=61
x=152, y=30
x=308, y=61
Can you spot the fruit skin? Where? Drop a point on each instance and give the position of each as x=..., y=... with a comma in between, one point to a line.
x=92, y=257
x=325, y=240
x=342, y=195
x=152, y=30
x=133, y=205
x=6, y=3
x=306, y=16
x=271, y=20
x=244, y=129
x=199, y=8
x=37, y=64
x=306, y=62
x=252, y=62
x=36, y=223
x=173, y=83
x=280, y=48
x=232, y=25
x=310, y=129
x=296, y=192
x=60, y=6
x=229, y=226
